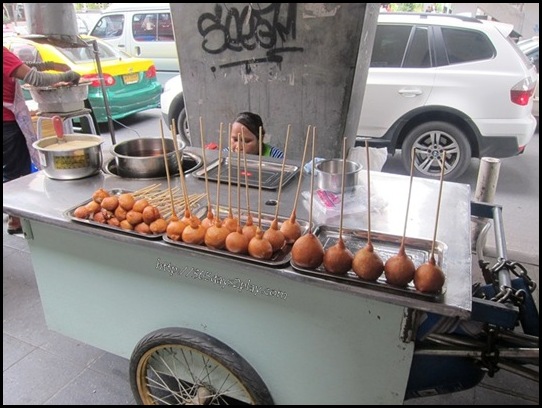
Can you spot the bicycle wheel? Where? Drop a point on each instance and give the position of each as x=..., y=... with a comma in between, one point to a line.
x=175, y=366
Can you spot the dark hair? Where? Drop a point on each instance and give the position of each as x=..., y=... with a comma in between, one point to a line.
x=251, y=121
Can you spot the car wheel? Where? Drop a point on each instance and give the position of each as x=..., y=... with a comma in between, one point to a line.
x=182, y=118
x=429, y=141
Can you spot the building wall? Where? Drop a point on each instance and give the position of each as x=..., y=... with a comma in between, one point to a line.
x=524, y=16
x=292, y=63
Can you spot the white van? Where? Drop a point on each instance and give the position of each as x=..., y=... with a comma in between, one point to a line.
x=141, y=30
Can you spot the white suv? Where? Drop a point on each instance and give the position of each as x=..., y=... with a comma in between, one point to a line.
x=437, y=83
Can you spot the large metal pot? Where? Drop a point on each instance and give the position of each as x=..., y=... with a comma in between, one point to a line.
x=144, y=157
x=80, y=156
x=328, y=174
x=67, y=98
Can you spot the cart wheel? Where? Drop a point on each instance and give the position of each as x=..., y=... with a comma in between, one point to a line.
x=175, y=366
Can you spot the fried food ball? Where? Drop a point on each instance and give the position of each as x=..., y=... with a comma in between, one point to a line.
x=110, y=203
x=142, y=228
x=114, y=222
x=140, y=205
x=120, y=213
x=99, y=195
x=125, y=225
x=134, y=217
x=99, y=217
x=150, y=213
x=158, y=226
x=126, y=201
x=82, y=212
x=93, y=207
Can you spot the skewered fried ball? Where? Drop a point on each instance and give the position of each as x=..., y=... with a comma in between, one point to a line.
x=308, y=251
x=429, y=278
x=399, y=269
x=259, y=247
x=367, y=264
x=338, y=259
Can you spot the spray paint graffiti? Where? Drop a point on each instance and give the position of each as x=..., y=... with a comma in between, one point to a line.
x=253, y=27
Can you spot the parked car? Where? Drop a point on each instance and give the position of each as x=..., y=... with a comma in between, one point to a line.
x=530, y=47
x=437, y=83
x=130, y=82
x=143, y=31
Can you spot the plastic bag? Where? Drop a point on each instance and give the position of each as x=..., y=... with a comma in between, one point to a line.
x=326, y=207
x=377, y=156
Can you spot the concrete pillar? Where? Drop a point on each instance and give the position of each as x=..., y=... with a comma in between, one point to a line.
x=292, y=63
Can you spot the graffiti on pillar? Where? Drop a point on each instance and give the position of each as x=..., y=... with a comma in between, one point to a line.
x=252, y=28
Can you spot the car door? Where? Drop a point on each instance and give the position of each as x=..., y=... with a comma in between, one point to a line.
x=153, y=38
x=400, y=77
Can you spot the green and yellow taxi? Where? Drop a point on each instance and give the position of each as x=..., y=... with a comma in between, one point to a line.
x=130, y=83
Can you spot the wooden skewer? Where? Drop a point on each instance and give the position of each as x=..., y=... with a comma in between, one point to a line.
x=408, y=199
x=282, y=170
x=230, y=213
x=205, y=164
x=343, y=182
x=181, y=173
x=438, y=206
x=167, y=168
x=368, y=194
x=145, y=190
x=294, y=209
x=218, y=176
x=260, y=147
x=249, y=215
x=239, y=189
x=312, y=178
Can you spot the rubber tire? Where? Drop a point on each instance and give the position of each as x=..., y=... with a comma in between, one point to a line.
x=209, y=347
x=184, y=131
x=449, y=136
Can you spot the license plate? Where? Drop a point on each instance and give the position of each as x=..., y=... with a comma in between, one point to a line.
x=131, y=79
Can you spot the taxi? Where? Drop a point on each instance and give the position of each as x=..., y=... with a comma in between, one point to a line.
x=130, y=83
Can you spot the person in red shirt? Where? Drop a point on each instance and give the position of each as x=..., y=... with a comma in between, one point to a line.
x=18, y=131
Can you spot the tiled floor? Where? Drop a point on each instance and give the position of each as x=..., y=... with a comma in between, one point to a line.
x=41, y=367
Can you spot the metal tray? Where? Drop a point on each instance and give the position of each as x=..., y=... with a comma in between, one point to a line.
x=385, y=246
x=115, y=191
x=279, y=258
x=270, y=173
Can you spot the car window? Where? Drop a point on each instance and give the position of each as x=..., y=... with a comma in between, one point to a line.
x=466, y=45
x=152, y=27
x=109, y=27
x=418, y=55
x=26, y=52
x=80, y=55
x=390, y=45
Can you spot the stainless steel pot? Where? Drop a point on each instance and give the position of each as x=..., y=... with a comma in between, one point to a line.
x=80, y=156
x=144, y=157
x=328, y=174
x=67, y=98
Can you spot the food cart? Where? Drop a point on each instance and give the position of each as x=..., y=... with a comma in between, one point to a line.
x=202, y=327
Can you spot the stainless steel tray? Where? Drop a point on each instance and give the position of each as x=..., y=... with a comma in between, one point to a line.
x=386, y=246
x=270, y=173
x=279, y=258
x=116, y=191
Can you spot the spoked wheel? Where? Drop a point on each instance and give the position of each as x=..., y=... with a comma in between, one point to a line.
x=430, y=140
x=176, y=366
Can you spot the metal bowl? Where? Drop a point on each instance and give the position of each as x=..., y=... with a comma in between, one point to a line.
x=60, y=99
x=68, y=161
x=144, y=157
x=190, y=163
x=328, y=174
